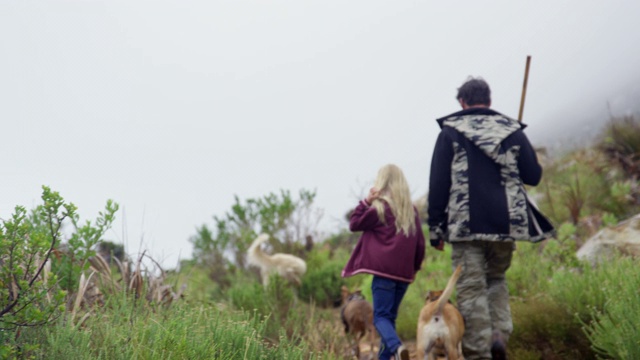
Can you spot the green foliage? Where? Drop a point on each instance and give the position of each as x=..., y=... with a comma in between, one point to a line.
x=562, y=308
x=201, y=288
x=609, y=219
x=34, y=283
x=563, y=251
x=580, y=291
x=28, y=292
x=544, y=324
x=277, y=305
x=124, y=331
x=81, y=245
x=621, y=143
x=274, y=302
x=344, y=239
x=322, y=282
x=109, y=250
x=529, y=270
x=575, y=187
x=223, y=249
x=591, y=182
x=615, y=317
x=544, y=327
x=249, y=296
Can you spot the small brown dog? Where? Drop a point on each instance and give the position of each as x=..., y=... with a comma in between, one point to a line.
x=357, y=317
x=440, y=325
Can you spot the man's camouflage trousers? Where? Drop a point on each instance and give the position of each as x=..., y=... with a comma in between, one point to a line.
x=482, y=293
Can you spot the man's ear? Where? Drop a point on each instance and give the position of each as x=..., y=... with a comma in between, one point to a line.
x=463, y=104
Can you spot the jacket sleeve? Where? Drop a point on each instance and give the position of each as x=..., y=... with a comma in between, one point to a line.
x=439, y=186
x=364, y=217
x=528, y=166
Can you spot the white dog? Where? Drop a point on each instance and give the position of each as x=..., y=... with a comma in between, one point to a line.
x=288, y=266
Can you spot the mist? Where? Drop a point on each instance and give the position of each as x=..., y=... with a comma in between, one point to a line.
x=173, y=108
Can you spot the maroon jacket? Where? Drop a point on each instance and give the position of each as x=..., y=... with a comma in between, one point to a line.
x=381, y=250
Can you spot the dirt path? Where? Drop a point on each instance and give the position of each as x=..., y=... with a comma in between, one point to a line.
x=367, y=354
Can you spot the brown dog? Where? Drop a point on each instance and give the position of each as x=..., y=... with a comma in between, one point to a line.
x=357, y=317
x=440, y=325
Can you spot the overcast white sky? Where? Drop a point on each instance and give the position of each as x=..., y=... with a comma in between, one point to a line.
x=171, y=108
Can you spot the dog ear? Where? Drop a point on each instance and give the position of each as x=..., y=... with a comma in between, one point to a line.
x=433, y=295
x=344, y=292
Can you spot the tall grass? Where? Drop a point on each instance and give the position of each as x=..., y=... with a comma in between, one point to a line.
x=124, y=330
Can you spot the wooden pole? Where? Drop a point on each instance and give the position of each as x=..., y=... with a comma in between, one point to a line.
x=524, y=87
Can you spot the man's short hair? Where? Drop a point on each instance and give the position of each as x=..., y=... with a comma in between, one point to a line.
x=475, y=91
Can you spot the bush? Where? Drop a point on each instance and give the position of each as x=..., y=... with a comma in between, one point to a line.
x=582, y=310
x=545, y=327
x=321, y=284
x=621, y=143
x=38, y=273
x=614, y=329
x=530, y=270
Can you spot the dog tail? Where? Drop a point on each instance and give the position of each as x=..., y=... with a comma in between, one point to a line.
x=255, y=256
x=448, y=291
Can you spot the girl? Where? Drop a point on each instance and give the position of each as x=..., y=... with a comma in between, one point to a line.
x=391, y=248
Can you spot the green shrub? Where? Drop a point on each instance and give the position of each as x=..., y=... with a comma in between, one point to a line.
x=620, y=141
x=577, y=313
x=544, y=327
x=322, y=281
x=562, y=250
x=275, y=303
x=249, y=296
x=575, y=186
x=530, y=270
x=582, y=290
x=614, y=329
x=37, y=274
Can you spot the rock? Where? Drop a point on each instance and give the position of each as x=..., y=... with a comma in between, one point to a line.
x=623, y=238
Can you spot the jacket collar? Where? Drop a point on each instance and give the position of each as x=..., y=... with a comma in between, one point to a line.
x=473, y=111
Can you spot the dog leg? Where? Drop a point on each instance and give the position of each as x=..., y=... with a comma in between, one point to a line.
x=374, y=354
x=265, y=278
x=430, y=353
x=452, y=352
x=460, y=356
x=355, y=345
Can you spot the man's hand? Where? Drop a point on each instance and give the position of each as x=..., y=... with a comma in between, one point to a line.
x=438, y=244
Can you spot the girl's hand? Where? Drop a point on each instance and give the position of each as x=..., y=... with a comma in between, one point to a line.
x=373, y=194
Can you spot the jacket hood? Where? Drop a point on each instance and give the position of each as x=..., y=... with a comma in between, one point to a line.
x=484, y=127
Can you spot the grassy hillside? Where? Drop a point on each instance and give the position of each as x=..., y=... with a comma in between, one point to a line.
x=562, y=308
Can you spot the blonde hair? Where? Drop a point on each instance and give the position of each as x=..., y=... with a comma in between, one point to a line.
x=394, y=190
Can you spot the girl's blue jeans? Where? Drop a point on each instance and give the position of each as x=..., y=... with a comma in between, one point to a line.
x=387, y=295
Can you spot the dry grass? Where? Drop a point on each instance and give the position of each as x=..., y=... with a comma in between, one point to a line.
x=102, y=282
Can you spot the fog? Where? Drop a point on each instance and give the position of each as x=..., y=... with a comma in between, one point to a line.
x=172, y=108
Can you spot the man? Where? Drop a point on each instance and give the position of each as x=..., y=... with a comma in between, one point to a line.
x=478, y=203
